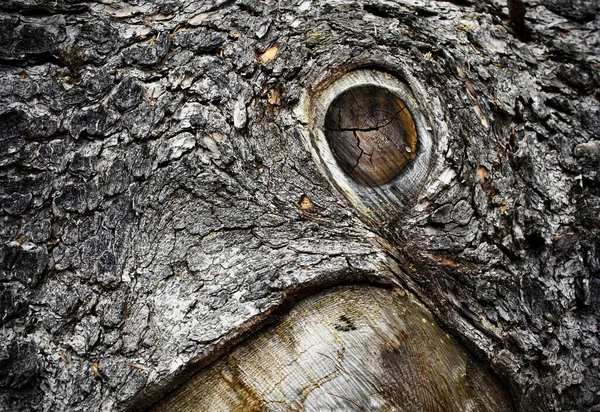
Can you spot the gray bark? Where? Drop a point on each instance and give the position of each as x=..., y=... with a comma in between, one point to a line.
x=162, y=194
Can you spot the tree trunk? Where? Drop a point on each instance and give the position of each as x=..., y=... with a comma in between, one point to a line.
x=180, y=179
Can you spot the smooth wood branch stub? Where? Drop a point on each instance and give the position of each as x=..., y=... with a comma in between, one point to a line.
x=348, y=348
x=371, y=134
x=372, y=138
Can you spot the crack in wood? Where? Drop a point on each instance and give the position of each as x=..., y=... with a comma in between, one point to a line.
x=371, y=134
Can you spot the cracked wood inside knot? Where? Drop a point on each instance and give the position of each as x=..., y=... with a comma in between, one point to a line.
x=348, y=348
x=371, y=134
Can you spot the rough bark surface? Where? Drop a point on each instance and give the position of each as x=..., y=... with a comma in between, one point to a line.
x=159, y=198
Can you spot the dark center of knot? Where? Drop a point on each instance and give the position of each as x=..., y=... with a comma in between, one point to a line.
x=371, y=134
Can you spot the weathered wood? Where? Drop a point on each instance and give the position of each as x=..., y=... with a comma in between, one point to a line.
x=371, y=133
x=397, y=176
x=350, y=348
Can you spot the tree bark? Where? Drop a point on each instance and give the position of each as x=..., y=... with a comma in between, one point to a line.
x=167, y=188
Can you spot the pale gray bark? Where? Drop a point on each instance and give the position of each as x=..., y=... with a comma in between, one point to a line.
x=160, y=195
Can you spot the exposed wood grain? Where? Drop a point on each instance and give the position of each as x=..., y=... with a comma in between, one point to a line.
x=351, y=348
x=371, y=134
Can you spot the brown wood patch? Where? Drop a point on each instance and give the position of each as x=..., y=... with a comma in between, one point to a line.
x=371, y=134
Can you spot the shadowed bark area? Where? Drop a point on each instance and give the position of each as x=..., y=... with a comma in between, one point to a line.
x=165, y=187
x=351, y=348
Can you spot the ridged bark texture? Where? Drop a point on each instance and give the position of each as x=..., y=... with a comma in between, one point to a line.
x=160, y=198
